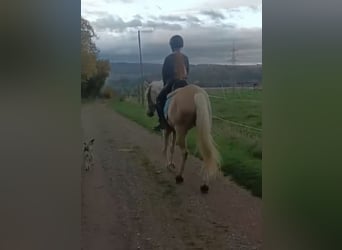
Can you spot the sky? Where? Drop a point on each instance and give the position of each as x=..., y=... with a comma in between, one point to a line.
x=209, y=29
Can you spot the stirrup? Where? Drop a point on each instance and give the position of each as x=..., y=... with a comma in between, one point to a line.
x=157, y=128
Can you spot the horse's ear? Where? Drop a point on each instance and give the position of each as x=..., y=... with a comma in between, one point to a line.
x=92, y=141
x=146, y=84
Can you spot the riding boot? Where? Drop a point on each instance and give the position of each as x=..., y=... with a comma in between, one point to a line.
x=161, y=125
x=161, y=100
x=158, y=127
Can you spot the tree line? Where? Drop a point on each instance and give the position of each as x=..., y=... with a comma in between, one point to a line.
x=94, y=71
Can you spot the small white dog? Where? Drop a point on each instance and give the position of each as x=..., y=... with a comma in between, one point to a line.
x=88, y=154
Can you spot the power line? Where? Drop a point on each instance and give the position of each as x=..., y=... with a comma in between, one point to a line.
x=233, y=60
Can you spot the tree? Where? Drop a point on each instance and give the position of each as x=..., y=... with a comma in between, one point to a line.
x=103, y=68
x=93, y=71
x=88, y=50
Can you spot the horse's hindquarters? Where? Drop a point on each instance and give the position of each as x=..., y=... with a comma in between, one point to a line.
x=182, y=109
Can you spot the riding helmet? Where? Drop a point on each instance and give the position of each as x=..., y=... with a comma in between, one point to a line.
x=176, y=42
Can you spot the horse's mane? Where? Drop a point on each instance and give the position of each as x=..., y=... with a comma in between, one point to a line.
x=180, y=69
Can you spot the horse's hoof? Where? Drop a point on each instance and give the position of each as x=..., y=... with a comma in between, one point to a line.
x=179, y=179
x=204, y=189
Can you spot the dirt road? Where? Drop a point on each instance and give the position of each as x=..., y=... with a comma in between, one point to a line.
x=130, y=200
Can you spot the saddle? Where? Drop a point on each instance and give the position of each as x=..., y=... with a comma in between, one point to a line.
x=178, y=84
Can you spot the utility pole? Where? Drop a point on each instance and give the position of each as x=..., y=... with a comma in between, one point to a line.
x=233, y=60
x=141, y=86
x=233, y=54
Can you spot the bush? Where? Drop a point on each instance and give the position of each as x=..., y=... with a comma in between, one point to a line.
x=107, y=92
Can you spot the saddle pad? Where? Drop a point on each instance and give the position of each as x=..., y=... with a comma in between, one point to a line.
x=166, y=106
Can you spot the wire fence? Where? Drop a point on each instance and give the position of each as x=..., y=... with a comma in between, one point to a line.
x=241, y=128
x=234, y=100
x=258, y=130
x=218, y=97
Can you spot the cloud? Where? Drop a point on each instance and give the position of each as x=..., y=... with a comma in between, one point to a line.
x=255, y=8
x=172, y=18
x=208, y=32
x=162, y=25
x=202, y=45
x=117, y=24
x=114, y=24
x=193, y=19
x=137, y=16
x=233, y=10
x=96, y=13
x=230, y=4
x=186, y=19
x=215, y=15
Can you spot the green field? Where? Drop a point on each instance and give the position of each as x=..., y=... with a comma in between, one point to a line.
x=236, y=130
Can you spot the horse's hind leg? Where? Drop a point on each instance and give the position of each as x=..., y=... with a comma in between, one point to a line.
x=182, y=144
x=167, y=133
x=166, y=136
x=172, y=150
x=205, y=186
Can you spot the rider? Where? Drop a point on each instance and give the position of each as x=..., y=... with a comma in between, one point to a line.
x=175, y=67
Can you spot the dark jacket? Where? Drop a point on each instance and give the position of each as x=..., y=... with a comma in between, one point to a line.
x=168, y=68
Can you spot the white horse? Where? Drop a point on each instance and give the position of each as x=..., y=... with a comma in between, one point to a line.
x=152, y=89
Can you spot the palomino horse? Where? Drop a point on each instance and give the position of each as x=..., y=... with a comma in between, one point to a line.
x=187, y=107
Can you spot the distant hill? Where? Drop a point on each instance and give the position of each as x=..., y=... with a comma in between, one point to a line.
x=208, y=75
x=132, y=70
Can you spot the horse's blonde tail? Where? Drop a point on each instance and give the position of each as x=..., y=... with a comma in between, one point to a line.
x=206, y=144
